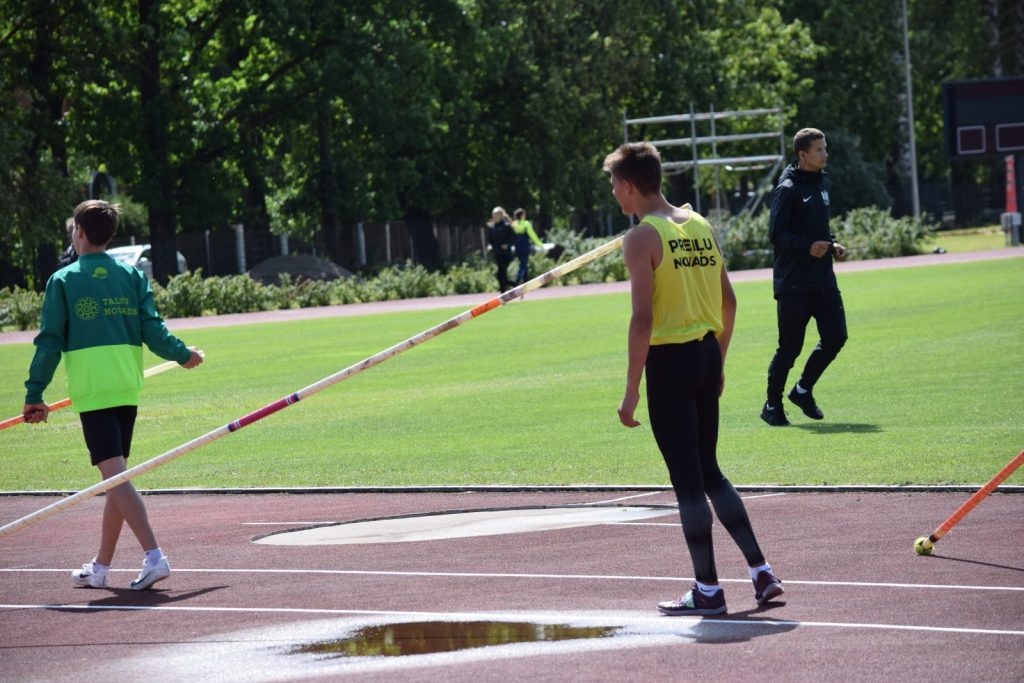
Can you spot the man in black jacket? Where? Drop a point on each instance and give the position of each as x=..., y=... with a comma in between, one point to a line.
x=70, y=255
x=500, y=236
x=804, y=281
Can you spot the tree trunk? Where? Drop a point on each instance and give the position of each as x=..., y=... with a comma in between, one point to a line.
x=421, y=228
x=157, y=178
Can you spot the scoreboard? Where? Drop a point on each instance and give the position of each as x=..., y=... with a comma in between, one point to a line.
x=983, y=117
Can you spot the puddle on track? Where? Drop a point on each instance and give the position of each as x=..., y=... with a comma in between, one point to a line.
x=430, y=637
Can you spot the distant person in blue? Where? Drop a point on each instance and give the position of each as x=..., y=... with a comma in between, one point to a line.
x=804, y=280
x=525, y=240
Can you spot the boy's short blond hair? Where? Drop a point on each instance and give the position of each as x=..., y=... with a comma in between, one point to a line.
x=637, y=163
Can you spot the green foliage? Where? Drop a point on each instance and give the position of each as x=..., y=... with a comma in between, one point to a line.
x=305, y=118
x=871, y=233
x=471, y=278
x=861, y=71
x=303, y=293
x=20, y=308
x=191, y=295
x=745, y=242
x=867, y=233
x=609, y=268
x=857, y=181
x=134, y=217
x=406, y=281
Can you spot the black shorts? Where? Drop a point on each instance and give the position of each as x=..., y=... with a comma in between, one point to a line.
x=108, y=432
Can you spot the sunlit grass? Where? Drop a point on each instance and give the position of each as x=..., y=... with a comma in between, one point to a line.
x=929, y=390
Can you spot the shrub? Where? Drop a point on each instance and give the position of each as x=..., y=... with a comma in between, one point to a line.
x=191, y=295
x=303, y=293
x=406, y=281
x=609, y=268
x=20, y=308
x=473, y=277
x=867, y=233
x=870, y=233
x=745, y=242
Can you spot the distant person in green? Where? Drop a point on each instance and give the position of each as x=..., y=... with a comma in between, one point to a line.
x=684, y=310
x=525, y=240
x=97, y=314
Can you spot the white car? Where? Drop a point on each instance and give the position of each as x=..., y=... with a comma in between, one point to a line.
x=138, y=255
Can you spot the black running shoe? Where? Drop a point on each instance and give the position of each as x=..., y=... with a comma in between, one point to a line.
x=694, y=602
x=806, y=403
x=766, y=587
x=774, y=415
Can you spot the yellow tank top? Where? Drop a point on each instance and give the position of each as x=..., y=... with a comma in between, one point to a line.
x=687, y=298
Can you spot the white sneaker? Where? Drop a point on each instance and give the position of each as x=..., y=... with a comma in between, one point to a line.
x=88, y=577
x=151, y=573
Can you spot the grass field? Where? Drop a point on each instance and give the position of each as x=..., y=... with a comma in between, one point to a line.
x=928, y=390
x=973, y=239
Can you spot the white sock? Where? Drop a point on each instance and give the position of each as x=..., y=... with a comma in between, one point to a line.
x=708, y=589
x=800, y=389
x=754, y=571
x=98, y=568
x=154, y=556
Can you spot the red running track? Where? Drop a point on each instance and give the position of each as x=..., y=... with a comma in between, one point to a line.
x=859, y=604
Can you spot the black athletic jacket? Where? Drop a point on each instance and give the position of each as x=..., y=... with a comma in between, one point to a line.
x=799, y=217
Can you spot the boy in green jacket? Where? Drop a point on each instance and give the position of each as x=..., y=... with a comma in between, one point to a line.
x=97, y=314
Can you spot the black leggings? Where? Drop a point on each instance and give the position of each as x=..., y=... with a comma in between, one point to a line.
x=682, y=403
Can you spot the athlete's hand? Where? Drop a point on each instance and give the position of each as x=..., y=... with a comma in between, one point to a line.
x=34, y=413
x=195, y=359
x=820, y=248
x=839, y=251
x=628, y=407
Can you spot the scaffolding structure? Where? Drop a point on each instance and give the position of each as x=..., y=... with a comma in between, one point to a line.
x=699, y=159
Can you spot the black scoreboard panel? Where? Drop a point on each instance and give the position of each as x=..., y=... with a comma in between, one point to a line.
x=983, y=117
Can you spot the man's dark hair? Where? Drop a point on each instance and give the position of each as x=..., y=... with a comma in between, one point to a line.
x=804, y=138
x=638, y=163
x=98, y=219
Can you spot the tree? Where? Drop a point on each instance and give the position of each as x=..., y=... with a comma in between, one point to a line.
x=38, y=194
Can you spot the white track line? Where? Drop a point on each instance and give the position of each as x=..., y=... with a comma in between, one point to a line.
x=656, y=493
x=568, y=577
x=523, y=616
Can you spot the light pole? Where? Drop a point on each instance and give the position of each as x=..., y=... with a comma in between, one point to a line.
x=910, y=113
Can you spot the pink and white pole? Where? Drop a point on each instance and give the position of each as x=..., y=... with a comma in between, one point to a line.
x=299, y=395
